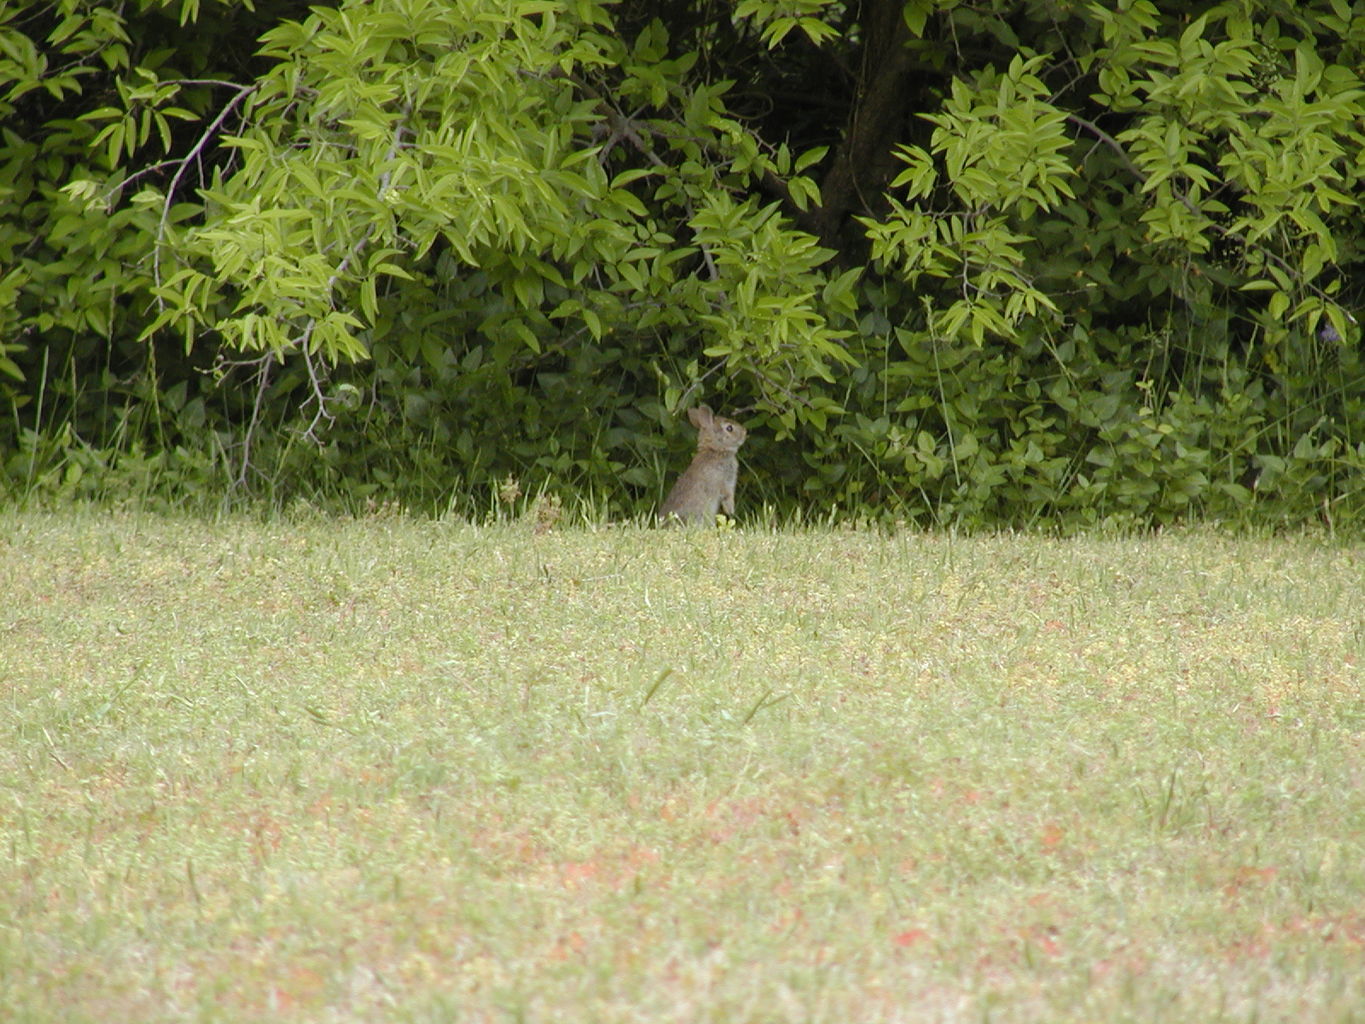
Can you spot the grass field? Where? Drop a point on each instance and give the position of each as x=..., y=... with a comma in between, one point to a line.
x=391, y=770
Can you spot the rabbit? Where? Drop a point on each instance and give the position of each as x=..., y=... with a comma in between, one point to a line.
x=708, y=484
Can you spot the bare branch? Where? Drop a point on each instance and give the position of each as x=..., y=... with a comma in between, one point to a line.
x=315, y=383
x=263, y=366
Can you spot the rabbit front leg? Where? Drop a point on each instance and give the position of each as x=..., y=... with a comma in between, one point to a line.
x=727, y=486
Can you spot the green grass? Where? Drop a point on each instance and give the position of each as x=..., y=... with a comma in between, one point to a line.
x=413, y=771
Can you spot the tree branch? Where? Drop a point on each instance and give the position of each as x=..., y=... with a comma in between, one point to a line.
x=263, y=366
x=315, y=380
x=243, y=91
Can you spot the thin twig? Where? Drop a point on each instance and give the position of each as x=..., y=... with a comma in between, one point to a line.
x=263, y=377
x=315, y=383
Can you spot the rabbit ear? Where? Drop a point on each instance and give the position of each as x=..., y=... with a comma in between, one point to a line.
x=700, y=416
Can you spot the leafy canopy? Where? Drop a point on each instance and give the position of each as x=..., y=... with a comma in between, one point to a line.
x=969, y=262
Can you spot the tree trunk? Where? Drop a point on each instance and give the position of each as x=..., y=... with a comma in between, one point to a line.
x=863, y=162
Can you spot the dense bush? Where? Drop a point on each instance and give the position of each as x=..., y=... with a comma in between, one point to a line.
x=983, y=264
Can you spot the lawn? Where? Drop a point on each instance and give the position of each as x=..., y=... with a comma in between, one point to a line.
x=387, y=769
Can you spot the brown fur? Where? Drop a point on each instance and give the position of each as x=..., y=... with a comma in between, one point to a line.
x=708, y=484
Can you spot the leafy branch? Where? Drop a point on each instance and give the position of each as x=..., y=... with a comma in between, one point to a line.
x=1184, y=199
